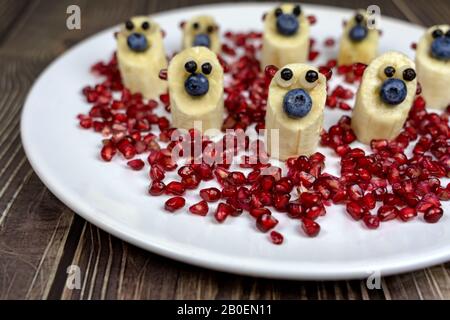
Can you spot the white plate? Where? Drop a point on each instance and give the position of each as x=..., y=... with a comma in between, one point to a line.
x=114, y=198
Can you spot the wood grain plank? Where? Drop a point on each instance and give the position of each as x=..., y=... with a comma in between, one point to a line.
x=10, y=12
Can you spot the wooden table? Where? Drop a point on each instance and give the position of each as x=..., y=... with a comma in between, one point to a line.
x=40, y=237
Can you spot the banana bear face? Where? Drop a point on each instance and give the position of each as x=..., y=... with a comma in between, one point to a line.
x=358, y=43
x=195, y=79
x=201, y=31
x=295, y=105
x=384, y=98
x=438, y=39
x=138, y=35
x=286, y=22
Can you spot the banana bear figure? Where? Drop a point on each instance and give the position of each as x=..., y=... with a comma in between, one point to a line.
x=285, y=37
x=433, y=66
x=140, y=56
x=201, y=31
x=195, y=79
x=358, y=42
x=295, y=106
x=384, y=98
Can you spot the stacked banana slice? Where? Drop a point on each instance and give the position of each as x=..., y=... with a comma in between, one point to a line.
x=359, y=43
x=285, y=37
x=141, y=55
x=295, y=106
x=201, y=31
x=196, y=90
x=433, y=66
x=384, y=98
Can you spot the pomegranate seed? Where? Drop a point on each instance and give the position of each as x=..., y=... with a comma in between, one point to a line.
x=185, y=171
x=270, y=71
x=174, y=204
x=257, y=212
x=136, y=164
x=368, y=201
x=276, y=237
x=355, y=210
x=407, y=214
x=310, y=227
x=236, y=178
x=281, y=202
x=157, y=173
x=229, y=191
x=223, y=211
x=156, y=188
x=433, y=215
x=200, y=208
x=108, y=152
x=314, y=212
x=265, y=222
x=175, y=188
x=313, y=55
x=210, y=194
x=386, y=213
x=308, y=199
x=329, y=42
x=371, y=222
x=295, y=209
x=190, y=182
x=283, y=185
x=267, y=183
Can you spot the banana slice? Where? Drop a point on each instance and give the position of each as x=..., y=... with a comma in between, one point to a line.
x=201, y=31
x=358, y=42
x=141, y=55
x=285, y=37
x=196, y=90
x=433, y=66
x=384, y=98
x=295, y=105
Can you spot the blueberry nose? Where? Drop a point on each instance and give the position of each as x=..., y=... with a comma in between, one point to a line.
x=202, y=40
x=297, y=103
x=393, y=91
x=358, y=33
x=287, y=24
x=196, y=85
x=440, y=48
x=137, y=42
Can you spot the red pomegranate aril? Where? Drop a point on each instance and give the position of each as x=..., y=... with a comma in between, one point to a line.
x=355, y=210
x=185, y=171
x=257, y=212
x=200, y=208
x=276, y=237
x=236, y=178
x=368, y=201
x=223, y=211
x=283, y=185
x=211, y=194
x=175, y=188
x=433, y=215
x=157, y=173
x=295, y=209
x=267, y=183
x=371, y=222
x=281, y=201
x=136, y=164
x=308, y=199
x=314, y=212
x=270, y=71
x=108, y=151
x=386, y=213
x=407, y=214
x=265, y=222
x=191, y=182
x=310, y=227
x=156, y=188
x=174, y=204
x=355, y=192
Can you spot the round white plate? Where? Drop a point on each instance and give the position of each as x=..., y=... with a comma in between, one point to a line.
x=114, y=198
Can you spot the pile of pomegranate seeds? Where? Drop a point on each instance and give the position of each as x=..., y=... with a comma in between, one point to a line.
x=397, y=180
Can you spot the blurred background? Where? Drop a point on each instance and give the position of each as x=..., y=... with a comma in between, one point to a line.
x=40, y=237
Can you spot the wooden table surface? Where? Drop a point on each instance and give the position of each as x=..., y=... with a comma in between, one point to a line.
x=40, y=237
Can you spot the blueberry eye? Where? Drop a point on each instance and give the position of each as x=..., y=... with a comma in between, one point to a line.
x=311, y=76
x=389, y=71
x=278, y=12
x=129, y=25
x=190, y=66
x=145, y=25
x=286, y=74
x=296, y=11
x=195, y=25
x=206, y=68
x=437, y=33
x=359, y=18
x=210, y=29
x=409, y=74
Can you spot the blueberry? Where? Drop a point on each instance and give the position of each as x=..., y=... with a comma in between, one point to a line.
x=297, y=103
x=202, y=40
x=137, y=42
x=287, y=24
x=393, y=91
x=358, y=33
x=196, y=85
x=440, y=48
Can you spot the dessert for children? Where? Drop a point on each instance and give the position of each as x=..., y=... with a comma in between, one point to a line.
x=201, y=31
